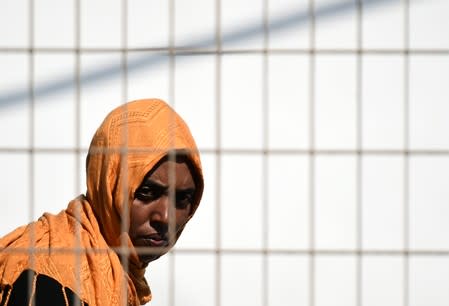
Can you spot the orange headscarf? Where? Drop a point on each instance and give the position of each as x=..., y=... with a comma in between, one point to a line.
x=75, y=247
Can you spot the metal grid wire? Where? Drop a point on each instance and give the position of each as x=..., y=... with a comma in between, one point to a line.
x=219, y=151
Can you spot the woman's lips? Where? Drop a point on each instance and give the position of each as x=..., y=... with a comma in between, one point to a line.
x=154, y=240
x=151, y=247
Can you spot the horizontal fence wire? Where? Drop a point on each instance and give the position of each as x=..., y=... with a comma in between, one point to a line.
x=236, y=251
x=241, y=151
x=180, y=51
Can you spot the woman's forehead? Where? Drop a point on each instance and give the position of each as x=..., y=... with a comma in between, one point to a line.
x=169, y=171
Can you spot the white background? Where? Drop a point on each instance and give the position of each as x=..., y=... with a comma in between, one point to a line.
x=288, y=102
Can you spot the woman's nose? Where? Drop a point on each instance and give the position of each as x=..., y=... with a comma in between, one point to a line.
x=160, y=212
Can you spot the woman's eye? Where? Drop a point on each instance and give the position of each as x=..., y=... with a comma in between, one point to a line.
x=183, y=199
x=145, y=194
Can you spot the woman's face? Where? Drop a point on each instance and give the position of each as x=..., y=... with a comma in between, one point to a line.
x=151, y=209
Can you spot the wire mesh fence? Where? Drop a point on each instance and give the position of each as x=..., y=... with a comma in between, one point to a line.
x=322, y=128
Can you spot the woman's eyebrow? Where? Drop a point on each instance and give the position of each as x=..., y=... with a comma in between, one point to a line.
x=158, y=185
x=186, y=190
x=152, y=183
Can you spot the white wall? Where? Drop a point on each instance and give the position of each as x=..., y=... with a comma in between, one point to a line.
x=288, y=102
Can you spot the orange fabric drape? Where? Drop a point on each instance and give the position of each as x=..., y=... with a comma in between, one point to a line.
x=127, y=145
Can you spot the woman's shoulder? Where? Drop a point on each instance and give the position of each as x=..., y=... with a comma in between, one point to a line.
x=43, y=289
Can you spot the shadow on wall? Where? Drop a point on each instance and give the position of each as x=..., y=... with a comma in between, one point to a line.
x=15, y=96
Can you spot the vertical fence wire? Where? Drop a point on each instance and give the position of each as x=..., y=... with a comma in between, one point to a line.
x=124, y=52
x=77, y=155
x=406, y=156
x=31, y=114
x=218, y=150
x=312, y=161
x=265, y=154
x=171, y=98
x=359, y=155
x=124, y=150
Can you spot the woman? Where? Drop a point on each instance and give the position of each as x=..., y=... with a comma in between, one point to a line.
x=144, y=182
